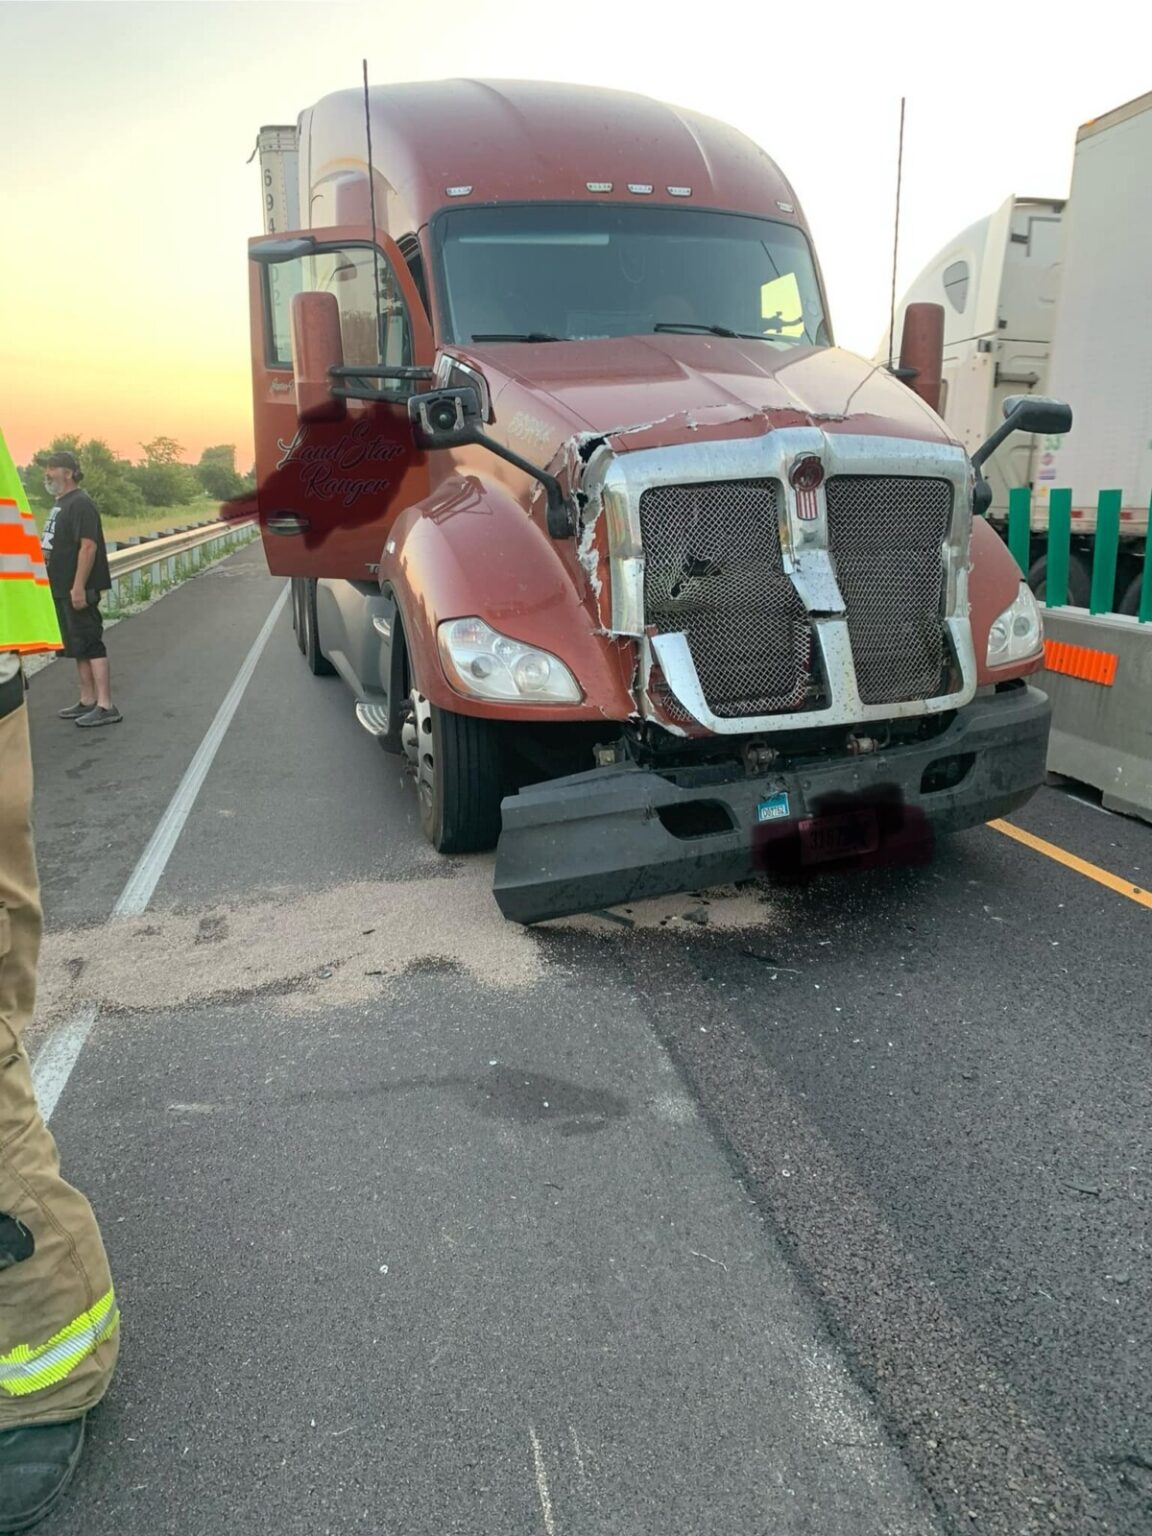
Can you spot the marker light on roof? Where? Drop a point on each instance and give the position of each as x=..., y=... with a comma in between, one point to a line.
x=458, y=191
x=641, y=188
x=598, y=186
x=679, y=191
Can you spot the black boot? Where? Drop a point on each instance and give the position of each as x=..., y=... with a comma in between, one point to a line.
x=36, y=1466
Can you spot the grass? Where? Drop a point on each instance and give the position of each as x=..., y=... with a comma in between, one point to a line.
x=154, y=520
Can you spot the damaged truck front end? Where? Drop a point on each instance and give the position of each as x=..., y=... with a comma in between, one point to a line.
x=649, y=583
x=809, y=690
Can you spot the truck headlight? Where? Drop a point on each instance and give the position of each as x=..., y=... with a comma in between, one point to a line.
x=487, y=665
x=1018, y=633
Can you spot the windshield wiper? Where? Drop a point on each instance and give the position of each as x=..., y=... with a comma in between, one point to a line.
x=708, y=330
x=517, y=336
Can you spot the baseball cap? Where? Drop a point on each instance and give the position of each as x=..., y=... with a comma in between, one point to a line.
x=67, y=461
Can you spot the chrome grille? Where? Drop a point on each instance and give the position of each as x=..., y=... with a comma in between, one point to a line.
x=886, y=535
x=713, y=570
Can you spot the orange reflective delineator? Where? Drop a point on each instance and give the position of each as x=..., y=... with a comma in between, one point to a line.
x=27, y=613
x=1080, y=661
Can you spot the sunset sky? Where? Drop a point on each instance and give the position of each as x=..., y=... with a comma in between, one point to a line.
x=127, y=200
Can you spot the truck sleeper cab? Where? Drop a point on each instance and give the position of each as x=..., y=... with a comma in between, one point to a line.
x=651, y=584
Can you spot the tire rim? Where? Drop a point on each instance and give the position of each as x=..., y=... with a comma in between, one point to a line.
x=416, y=737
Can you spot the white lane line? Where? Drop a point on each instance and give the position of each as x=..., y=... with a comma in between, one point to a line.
x=1091, y=804
x=57, y=1056
x=144, y=879
x=542, y=1484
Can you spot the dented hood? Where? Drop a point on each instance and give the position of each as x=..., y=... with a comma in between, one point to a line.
x=648, y=390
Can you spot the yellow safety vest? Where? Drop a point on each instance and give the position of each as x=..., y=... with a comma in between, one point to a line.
x=27, y=613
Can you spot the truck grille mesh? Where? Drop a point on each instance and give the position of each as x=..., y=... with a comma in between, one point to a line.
x=713, y=570
x=886, y=536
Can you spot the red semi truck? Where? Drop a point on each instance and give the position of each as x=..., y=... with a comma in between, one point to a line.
x=650, y=583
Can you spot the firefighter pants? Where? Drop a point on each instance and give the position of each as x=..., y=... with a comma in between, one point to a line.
x=58, y=1317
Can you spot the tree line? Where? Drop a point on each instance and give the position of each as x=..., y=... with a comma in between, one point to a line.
x=160, y=478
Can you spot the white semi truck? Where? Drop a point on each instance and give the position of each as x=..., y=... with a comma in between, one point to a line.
x=1054, y=297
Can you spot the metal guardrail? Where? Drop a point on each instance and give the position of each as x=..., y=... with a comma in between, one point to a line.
x=160, y=559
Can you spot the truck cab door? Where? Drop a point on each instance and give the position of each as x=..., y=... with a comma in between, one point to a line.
x=336, y=460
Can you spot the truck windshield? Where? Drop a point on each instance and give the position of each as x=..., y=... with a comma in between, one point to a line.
x=576, y=271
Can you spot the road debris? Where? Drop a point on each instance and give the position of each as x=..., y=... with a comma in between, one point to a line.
x=720, y=1264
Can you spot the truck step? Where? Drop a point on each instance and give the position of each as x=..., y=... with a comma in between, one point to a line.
x=373, y=717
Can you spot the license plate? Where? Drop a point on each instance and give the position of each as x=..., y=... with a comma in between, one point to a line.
x=838, y=837
x=774, y=808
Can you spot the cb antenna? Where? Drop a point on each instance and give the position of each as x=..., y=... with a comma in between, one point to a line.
x=372, y=216
x=895, y=241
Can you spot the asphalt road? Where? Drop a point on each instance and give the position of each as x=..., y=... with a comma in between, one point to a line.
x=821, y=1210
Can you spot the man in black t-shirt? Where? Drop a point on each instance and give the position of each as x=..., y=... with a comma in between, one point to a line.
x=73, y=541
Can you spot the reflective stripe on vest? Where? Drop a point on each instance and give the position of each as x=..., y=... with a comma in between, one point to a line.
x=21, y=565
x=27, y=613
x=24, y=1369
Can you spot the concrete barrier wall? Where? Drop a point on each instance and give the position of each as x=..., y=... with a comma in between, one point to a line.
x=1101, y=733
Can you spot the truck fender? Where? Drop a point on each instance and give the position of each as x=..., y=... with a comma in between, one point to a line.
x=993, y=582
x=471, y=550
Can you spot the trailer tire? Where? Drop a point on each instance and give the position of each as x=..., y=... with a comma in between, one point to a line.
x=458, y=766
x=1130, y=602
x=318, y=663
x=1079, y=581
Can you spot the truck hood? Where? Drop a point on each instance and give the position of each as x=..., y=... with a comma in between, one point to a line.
x=649, y=391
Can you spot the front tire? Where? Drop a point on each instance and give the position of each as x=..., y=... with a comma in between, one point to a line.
x=458, y=767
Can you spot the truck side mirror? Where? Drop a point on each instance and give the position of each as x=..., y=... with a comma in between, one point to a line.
x=317, y=347
x=1038, y=413
x=446, y=418
x=449, y=418
x=1025, y=413
x=922, y=351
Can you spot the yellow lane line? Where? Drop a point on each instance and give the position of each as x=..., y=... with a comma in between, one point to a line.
x=1135, y=893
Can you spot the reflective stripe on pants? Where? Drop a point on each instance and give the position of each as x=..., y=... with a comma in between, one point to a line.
x=26, y=1370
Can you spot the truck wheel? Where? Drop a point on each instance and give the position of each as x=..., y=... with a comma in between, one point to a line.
x=456, y=762
x=1079, y=581
x=318, y=663
x=298, y=612
x=1130, y=602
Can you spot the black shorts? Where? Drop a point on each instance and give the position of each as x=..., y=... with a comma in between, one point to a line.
x=81, y=629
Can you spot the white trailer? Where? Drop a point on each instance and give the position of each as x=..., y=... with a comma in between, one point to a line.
x=1055, y=297
x=1101, y=359
x=998, y=282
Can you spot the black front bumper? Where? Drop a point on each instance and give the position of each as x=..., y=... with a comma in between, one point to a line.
x=598, y=839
